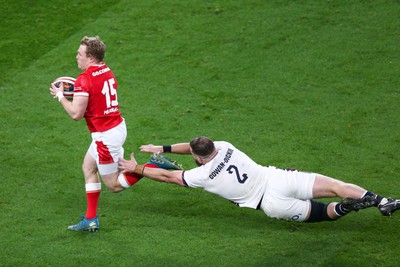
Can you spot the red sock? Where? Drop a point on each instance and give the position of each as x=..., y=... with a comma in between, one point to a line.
x=150, y=165
x=132, y=178
x=92, y=202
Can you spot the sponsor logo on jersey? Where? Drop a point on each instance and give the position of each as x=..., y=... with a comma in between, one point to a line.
x=108, y=111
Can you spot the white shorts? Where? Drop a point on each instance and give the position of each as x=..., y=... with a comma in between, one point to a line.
x=288, y=193
x=106, y=148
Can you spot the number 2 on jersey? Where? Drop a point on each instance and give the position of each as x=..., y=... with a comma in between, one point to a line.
x=110, y=93
x=240, y=180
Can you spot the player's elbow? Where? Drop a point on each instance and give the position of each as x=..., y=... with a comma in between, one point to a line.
x=172, y=177
x=76, y=117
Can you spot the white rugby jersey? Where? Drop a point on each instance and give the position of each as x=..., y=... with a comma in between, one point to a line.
x=231, y=175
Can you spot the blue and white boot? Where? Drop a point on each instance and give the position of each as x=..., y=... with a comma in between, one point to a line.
x=86, y=225
x=164, y=163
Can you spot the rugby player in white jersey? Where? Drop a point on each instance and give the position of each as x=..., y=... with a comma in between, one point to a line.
x=283, y=194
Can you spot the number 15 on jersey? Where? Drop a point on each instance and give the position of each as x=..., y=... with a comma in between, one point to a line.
x=110, y=93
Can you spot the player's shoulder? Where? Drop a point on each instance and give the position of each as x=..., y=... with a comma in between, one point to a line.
x=83, y=75
x=81, y=80
x=223, y=144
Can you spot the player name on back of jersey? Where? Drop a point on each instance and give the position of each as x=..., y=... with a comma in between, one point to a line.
x=221, y=165
x=95, y=73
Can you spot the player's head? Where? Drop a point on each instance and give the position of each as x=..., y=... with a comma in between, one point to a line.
x=203, y=149
x=94, y=47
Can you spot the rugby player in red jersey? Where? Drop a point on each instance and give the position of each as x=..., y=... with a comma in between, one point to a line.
x=95, y=99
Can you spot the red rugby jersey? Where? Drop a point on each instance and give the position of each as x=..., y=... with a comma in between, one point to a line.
x=100, y=85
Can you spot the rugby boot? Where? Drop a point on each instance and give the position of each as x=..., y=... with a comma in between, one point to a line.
x=164, y=163
x=86, y=225
x=389, y=206
x=358, y=203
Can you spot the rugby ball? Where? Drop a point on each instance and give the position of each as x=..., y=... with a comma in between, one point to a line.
x=68, y=83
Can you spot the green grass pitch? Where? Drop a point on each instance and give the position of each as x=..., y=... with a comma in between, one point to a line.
x=308, y=84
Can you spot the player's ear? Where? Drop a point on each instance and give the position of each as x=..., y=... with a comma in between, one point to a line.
x=92, y=59
x=199, y=160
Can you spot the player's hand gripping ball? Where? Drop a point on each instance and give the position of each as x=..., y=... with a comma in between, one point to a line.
x=69, y=83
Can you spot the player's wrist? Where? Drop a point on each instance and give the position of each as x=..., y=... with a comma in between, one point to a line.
x=167, y=149
x=59, y=96
x=139, y=169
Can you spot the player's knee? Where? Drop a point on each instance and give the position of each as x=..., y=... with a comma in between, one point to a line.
x=112, y=183
x=88, y=171
x=319, y=212
x=115, y=188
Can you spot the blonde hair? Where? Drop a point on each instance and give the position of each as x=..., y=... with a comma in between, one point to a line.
x=94, y=47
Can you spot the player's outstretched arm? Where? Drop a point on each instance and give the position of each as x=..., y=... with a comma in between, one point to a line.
x=156, y=174
x=180, y=148
x=150, y=148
